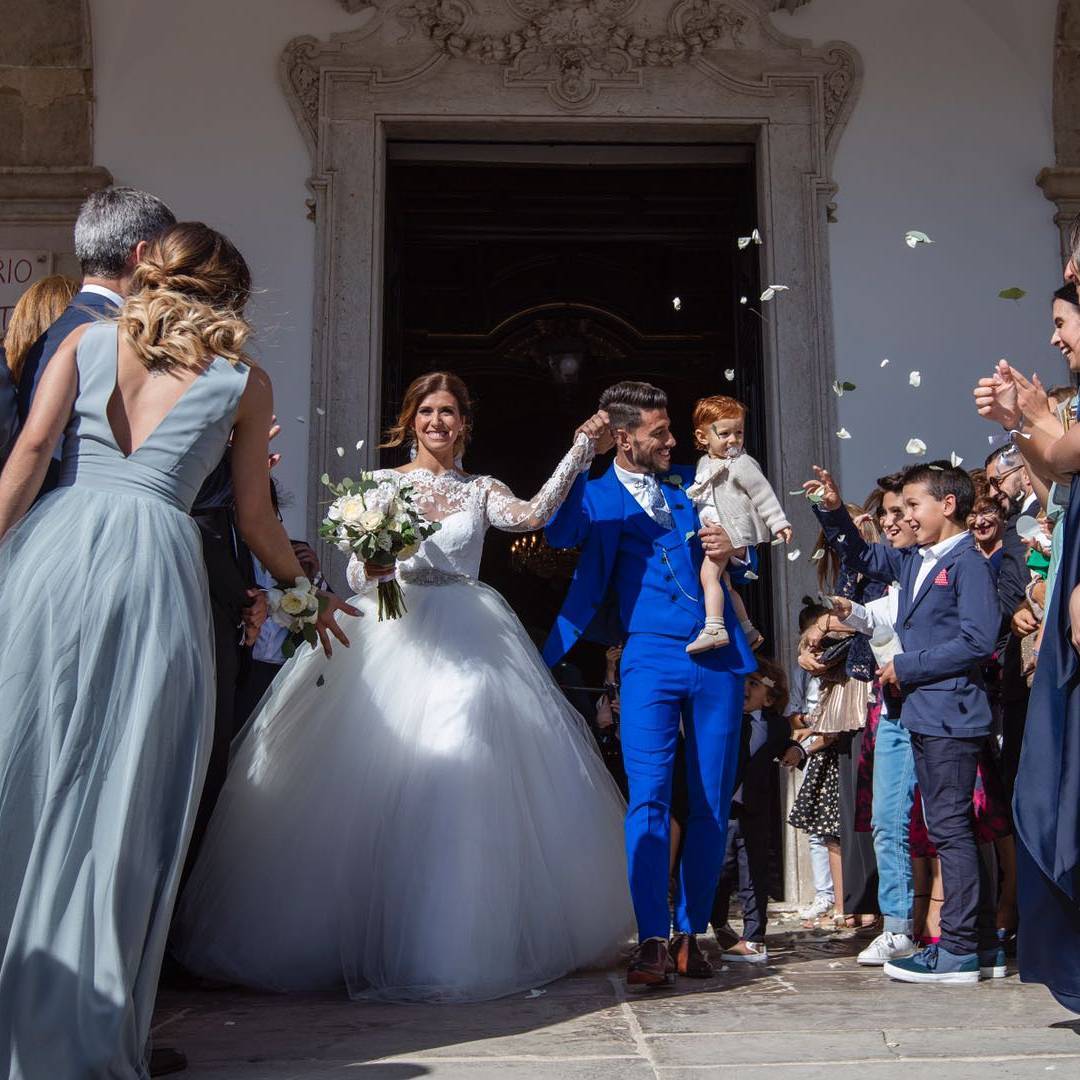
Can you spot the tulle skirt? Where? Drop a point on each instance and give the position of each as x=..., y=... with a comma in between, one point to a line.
x=422, y=817
x=107, y=687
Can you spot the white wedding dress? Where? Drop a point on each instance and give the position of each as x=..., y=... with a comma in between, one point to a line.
x=422, y=816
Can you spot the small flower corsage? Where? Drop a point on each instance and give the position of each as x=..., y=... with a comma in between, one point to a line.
x=672, y=480
x=296, y=607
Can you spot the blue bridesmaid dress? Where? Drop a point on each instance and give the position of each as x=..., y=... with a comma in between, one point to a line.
x=1046, y=805
x=107, y=691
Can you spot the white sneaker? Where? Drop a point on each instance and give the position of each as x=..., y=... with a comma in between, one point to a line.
x=822, y=905
x=885, y=947
x=756, y=954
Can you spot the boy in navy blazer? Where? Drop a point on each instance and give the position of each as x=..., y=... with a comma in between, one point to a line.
x=947, y=625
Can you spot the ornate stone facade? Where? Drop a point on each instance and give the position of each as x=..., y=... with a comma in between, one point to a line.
x=565, y=71
x=1061, y=182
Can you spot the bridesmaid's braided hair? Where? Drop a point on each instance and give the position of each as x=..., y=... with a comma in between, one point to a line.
x=187, y=300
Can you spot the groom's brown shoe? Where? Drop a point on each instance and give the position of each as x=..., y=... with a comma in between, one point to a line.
x=689, y=960
x=651, y=965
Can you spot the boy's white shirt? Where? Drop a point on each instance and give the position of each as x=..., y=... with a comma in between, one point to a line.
x=884, y=611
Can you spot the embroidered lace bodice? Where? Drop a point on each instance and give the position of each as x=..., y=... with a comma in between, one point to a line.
x=467, y=506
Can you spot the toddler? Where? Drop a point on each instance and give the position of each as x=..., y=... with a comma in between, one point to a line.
x=730, y=490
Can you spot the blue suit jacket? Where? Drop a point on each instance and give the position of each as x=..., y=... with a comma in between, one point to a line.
x=593, y=517
x=948, y=630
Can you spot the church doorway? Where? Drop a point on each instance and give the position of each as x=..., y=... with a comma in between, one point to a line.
x=540, y=275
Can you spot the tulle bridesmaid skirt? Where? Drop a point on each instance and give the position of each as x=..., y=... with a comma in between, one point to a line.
x=422, y=817
x=106, y=680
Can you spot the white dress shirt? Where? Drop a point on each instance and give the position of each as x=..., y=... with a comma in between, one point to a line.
x=866, y=618
x=102, y=290
x=641, y=487
x=931, y=555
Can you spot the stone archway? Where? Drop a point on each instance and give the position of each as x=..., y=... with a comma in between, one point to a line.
x=595, y=71
x=1061, y=182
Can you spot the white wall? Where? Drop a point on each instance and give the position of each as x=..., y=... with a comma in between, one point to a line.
x=189, y=106
x=953, y=124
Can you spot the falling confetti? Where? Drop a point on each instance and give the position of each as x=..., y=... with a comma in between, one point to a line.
x=818, y=555
x=360, y=445
x=915, y=447
x=793, y=555
x=744, y=299
x=746, y=241
x=955, y=460
x=676, y=303
x=915, y=379
x=301, y=420
x=321, y=412
x=1015, y=293
x=772, y=290
x=913, y=238
x=341, y=451
x=884, y=363
x=843, y=433
x=729, y=374
x=749, y=575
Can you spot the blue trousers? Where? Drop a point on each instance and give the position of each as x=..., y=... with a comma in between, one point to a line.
x=894, y=794
x=661, y=687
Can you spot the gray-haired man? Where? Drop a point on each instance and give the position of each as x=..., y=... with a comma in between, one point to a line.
x=111, y=233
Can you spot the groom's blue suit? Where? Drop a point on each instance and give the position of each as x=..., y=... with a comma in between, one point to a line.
x=654, y=574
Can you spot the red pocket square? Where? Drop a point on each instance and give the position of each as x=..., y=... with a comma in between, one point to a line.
x=942, y=578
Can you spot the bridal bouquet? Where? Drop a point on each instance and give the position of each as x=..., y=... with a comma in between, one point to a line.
x=296, y=607
x=378, y=522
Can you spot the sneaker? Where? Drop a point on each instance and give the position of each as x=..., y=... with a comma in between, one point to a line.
x=822, y=905
x=885, y=947
x=749, y=952
x=992, y=963
x=935, y=965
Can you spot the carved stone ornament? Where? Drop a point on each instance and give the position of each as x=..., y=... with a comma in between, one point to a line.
x=572, y=49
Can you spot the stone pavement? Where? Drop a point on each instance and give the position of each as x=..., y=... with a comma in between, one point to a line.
x=810, y=1014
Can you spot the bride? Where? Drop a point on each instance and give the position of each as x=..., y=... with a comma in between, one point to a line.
x=424, y=817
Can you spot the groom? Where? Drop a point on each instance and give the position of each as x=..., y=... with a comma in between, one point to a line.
x=639, y=537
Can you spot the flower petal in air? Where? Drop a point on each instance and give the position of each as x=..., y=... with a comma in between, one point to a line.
x=884, y=363
x=729, y=374
x=793, y=555
x=818, y=555
x=676, y=303
x=772, y=290
x=843, y=433
x=916, y=447
x=915, y=379
x=913, y=238
x=955, y=460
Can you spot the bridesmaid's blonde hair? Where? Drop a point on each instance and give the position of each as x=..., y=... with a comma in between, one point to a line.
x=187, y=299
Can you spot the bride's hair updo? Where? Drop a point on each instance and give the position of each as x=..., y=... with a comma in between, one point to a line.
x=404, y=431
x=187, y=299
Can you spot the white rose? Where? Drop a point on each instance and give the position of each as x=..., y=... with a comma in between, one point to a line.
x=353, y=509
x=334, y=513
x=372, y=520
x=293, y=602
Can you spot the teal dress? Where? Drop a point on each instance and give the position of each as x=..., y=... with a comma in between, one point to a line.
x=107, y=684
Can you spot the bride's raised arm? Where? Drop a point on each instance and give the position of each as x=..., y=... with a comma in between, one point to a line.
x=507, y=512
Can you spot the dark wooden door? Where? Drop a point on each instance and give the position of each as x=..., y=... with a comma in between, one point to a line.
x=541, y=285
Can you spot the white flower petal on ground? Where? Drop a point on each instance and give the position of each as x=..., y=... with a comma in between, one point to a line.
x=913, y=238
x=955, y=460
x=915, y=447
x=729, y=374
x=915, y=379
x=793, y=555
x=676, y=303
x=772, y=290
x=843, y=433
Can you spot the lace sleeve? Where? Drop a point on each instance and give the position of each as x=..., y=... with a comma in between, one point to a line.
x=507, y=512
